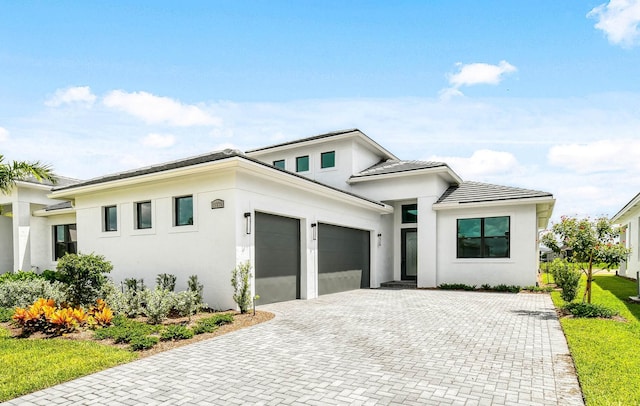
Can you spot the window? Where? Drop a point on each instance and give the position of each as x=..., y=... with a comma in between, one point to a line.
x=110, y=218
x=65, y=240
x=328, y=159
x=483, y=237
x=143, y=215
x=279, y=163
x=183, y=211
x=409, y=213
x=302, y=163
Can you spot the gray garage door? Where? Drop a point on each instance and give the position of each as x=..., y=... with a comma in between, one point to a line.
x=277, y=267
x=343, y=259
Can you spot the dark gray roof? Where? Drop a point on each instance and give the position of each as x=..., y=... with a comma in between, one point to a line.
x=181, y=163
x=61, y=181
x=476, y=192
x=58, y=206
x=315, y=137
x=395, y=166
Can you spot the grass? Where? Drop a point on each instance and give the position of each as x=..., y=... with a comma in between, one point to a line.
x=605, y=352
x=30, y=365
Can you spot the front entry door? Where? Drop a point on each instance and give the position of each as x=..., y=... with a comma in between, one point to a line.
x=409, y=268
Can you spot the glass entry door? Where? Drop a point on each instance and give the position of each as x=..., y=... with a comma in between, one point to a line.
x=409, y=267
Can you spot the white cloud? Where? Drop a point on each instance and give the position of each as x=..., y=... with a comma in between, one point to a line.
x=4, y=134
x=609, y=155
x=159, y=110
x=481, y=164
x=155, y=140
x=480, y=73
x=71, y=95
x=619, y=20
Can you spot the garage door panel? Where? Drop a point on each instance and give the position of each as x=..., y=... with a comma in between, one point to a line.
x=343, y=259
x=277, y=242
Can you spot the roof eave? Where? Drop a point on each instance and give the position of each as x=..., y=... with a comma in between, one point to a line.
x=621, y=216
x=492, y=203
x=451, y=178
x=49, y=213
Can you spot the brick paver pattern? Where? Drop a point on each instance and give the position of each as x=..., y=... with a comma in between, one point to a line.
x=364, y=347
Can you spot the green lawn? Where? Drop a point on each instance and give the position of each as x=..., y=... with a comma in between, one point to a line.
x=29, y=365
x=607, y=352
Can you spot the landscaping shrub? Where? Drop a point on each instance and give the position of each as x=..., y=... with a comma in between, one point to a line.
x=457, y=286
x=83, y=277
x=139, y=343
x=240, y=277
x=176, y=332
x=485, y=286
x=18, y=276
x=122, y=330
x=197, y=287
x=567, y=278
x=131, y=302
x=44, y=316
x=210, y=324
x=590, y=310
x=100, y=314
x=186, y=303
x=22, y=293
x=159, y=304
x=166, y=281
x=506, y=288
x=5, y=314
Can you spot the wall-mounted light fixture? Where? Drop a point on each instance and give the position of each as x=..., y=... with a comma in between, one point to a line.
x=247, y=222
x=379, y=240
x=314, y=231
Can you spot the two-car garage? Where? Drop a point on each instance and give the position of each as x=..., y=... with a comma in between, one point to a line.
x=343, y=258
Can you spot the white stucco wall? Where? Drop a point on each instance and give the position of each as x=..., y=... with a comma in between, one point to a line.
x=42, y=239
x=6, y=244
x=631, y=239
x=519, y=269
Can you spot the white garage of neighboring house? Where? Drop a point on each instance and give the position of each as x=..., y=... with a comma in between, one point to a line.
x=629, y=219
x=314, y=216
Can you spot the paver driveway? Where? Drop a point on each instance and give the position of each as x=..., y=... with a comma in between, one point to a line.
x=423, y=347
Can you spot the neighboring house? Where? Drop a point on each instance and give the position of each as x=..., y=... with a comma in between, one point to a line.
x=313, y=216
x=25, y=238
x=629, y=219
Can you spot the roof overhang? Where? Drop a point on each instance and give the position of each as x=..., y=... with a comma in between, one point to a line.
x=254, y=167
x=624, y=213
x=444, y=171
x=58, y=212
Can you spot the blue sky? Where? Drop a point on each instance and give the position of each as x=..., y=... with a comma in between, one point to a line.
x=543, y=95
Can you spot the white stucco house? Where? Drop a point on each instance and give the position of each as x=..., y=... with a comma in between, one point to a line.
x=313, y=216
x=629, y=218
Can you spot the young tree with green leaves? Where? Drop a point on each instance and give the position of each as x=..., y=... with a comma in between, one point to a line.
x=13, y=171
x=588, y=242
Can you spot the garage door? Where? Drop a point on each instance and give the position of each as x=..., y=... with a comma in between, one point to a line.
x=343, y=259
x=277, y=269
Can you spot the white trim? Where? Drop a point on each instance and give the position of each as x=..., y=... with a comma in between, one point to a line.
x=453, y=177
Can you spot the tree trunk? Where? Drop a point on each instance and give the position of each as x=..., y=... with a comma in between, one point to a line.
x=589, y=276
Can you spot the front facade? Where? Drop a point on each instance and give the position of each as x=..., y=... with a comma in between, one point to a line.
x=629, y=220
x=314, y=216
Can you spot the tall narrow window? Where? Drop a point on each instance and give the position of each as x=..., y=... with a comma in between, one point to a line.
x=409, y=213
x=279, y=163
x=184, y=211
x=328, y=159
x=143, y=215
x=110, y=218
x=484, y=237
x=65, y=240
x=302, y=163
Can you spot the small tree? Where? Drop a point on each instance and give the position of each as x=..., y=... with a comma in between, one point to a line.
x=83, y=277
x=588, y=242
x=166, y=281
x=240, y=277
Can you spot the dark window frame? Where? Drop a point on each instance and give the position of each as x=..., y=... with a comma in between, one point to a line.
x=331, y=154
x=279, y=163
x=107, y=214
x=408, y=218
x=177, y=203
x=140, y=216
x=301, y=159
x=483, y=251
x=68, y=244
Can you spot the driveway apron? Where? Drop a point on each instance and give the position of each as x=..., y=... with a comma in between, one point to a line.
x=364, y=347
